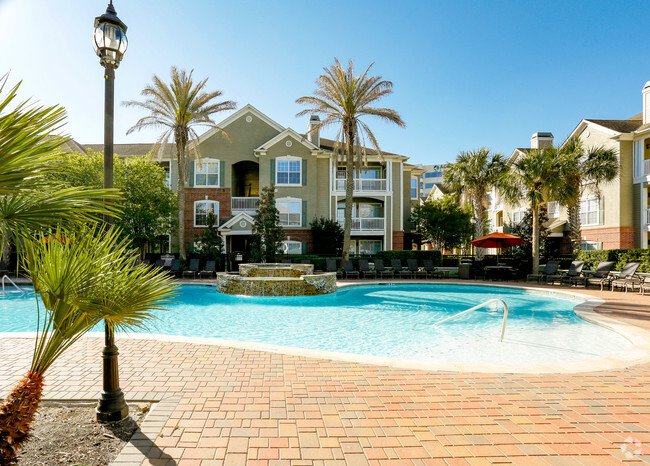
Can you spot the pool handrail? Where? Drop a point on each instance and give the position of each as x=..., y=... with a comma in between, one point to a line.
x=10, y=281
x=489, y=301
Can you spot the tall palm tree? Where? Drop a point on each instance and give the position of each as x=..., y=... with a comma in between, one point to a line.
x=82, y=276
x=583, y=169
x=471, y=176
x=535, y=177
x=343, y=99
x=179, y=107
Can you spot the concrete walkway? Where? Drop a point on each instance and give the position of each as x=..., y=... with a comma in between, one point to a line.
x=222, y=405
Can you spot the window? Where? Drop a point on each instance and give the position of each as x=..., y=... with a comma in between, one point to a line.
x=553, y=209
x=428, y=185
x=206, y=172
x=291, y=247
x=201, y=210
x=590, y=211
x=290, y=212
x=591, y=246
x=369, y=247
x=369, y=210
x=414, y=188
x=433, y=174
x=518, y=216
x=288, y=170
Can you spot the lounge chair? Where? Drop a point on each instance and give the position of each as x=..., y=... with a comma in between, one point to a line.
x=601, y=272
x=414, y=269
x=550, y=269
x=330, y=265
x=175, y=267
x=627, y=277
x=381, y=270
x=432, y=270
x=192, y=270
x=398, y=270
x=348, y=269
x=575, y=269
x=209, y=270
x=364, y=269
x=159, y=264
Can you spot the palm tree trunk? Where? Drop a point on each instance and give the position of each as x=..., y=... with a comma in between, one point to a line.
x=349, y=193
x=180, y=157
x=535, y=239
x=575, y=227
x=16, y=415
x=478, y=226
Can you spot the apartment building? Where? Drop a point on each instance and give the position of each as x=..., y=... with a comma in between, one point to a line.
x=309, y=183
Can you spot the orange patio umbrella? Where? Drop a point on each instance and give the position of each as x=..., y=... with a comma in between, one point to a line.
x=498, y=240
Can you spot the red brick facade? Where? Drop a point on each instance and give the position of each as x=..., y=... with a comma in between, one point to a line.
x=612, y=238
x=222, y=195
x=398, y=241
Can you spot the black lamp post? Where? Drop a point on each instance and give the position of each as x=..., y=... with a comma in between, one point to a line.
x=110, y=44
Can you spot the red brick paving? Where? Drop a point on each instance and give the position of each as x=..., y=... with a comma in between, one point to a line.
x=232, y=406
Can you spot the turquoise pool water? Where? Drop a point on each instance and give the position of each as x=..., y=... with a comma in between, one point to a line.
x=381, y=320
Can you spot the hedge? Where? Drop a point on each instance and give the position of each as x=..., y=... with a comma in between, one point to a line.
x=620, y=256
x=388, y=256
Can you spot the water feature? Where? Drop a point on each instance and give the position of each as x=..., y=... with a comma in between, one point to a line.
x=276, y=280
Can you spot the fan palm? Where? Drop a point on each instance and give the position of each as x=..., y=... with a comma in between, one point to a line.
x=82, y=277
x=343, y=99
x=582, y=169
x=179, y=107
x=471, y=176
x=534, y=177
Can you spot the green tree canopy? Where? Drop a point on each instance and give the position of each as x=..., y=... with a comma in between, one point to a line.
x=443, y=223
x=147, y=205
x=327, y=236
x=268, y=234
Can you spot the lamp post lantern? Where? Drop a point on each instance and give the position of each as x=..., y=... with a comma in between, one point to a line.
x=110, y=44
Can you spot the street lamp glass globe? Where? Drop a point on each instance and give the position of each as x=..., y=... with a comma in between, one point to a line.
x=109, y=39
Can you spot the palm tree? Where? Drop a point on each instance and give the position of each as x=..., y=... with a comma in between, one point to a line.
x=535, y=177
x=82, y=276
x=582, y=169
x=343, y=99
x=179, y=107
x=471, y=176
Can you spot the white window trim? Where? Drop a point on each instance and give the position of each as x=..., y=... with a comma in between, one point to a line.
x=291, y=199
x=556, y=209
x=585, y=199
x=597, y=245
x=285, y=247
x=288, y=158
x=215, y=211
x=217, y=162
x=521, y=211
x=368, y=241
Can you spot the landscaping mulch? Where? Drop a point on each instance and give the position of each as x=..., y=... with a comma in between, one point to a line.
x=68, y=433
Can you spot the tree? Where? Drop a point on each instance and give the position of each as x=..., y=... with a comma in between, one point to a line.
x=267, y=232
x=472, y=175
x=443, y=222
x=583, y=169
x=343, y=99
x=179, y=107
x=524, y=229
x=327, y=236
x=146, y=205
x=209, y=243
x=82, y=276
x=534, y=177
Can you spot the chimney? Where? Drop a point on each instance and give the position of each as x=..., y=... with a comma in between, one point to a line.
x=313, y=136
x=646, y=103
x=541, y=140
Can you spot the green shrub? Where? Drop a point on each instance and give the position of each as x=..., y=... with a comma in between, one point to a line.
x=388, y=256
x=620, y=256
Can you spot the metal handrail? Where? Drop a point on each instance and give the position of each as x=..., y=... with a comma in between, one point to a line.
x=489, y=301
x=10, y=281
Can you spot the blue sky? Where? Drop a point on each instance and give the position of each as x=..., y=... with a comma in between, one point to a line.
x=466, y=74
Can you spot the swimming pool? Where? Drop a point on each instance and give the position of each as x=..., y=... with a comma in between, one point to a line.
x=387, y=321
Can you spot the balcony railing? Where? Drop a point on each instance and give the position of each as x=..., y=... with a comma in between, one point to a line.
x=243, y=204
x=646, y=167
x=365, y=224
x=647, y=216
x=362, y=184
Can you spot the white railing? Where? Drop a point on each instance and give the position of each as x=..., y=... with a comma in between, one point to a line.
x=6, y=277
x=361, y=184
x=244, y=204
x=365, y=224
x=646, y=167
x=647, y=216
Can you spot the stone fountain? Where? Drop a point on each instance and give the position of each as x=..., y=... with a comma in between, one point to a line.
x=276, y=280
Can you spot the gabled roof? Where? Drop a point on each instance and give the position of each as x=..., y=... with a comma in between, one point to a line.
x=248, y=108
x=328, y=144
x=235, y=219
x=620, y=126
x=287, y=132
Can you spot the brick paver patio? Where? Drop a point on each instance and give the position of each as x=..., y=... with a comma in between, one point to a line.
x=221, y=405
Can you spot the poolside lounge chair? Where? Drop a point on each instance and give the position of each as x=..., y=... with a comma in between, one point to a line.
x=432, y=270
x=414, y=269
x=364, y=269
x=398, y=270
x=348, y=269
x=381, y=270
x=550, y=269
x=209, y=270
x=602, y=271
x=575, y=269
x=159, y=264
x=330, y=265
x=192, y=270
x=627, y=277
x=175, y=267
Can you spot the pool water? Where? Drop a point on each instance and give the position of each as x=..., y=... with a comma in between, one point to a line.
x=381, y=320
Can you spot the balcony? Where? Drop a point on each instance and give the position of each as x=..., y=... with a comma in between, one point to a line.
x=363, y=185
x=647, y=216
x=244, y=204
x=365, y=224
x=646, y=167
